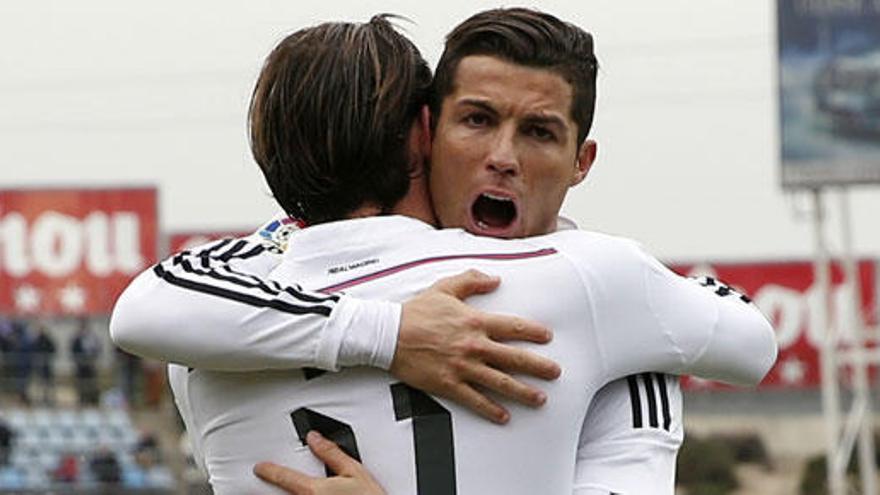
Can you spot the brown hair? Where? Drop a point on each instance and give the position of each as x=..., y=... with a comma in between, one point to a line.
x=330, y=116
x=525, y=37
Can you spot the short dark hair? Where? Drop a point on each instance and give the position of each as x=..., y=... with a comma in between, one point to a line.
x=330, y=117
x=530, y=38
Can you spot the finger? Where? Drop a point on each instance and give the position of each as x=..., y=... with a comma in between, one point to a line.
x=503, y=327
x=469, y=397
x=467, y=284
x=282, y=477
x=515, y=360
x=334, y=457
x=506, y=385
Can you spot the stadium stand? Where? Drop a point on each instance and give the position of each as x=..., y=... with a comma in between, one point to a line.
x=81, y=451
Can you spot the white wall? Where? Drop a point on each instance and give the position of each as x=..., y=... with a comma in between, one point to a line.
x=108, y=92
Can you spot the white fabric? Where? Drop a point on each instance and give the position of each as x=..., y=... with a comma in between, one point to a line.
x=200, y=321
x=614, y=310
x=616, y=456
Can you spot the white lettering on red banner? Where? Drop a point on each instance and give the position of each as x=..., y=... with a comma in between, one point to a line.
x=787, y=294
x=66, y=251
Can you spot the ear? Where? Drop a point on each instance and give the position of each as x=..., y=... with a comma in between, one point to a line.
x=420, y=142
x=585, y=158
x=425, y=126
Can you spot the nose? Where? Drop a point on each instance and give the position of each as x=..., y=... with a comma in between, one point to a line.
x=502, y=158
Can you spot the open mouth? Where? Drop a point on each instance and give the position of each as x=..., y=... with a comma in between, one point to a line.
x=493, y=212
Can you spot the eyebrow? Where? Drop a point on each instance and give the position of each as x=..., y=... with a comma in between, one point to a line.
x=481, y=104
x=534, y=118
x=544, y=119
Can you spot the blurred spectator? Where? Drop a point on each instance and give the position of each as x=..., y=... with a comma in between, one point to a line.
x=155, y=383
x=5, y=359
x=19, y=357
x=148, y=459
x=85, y=349
x=146, y=451
x=67, y=470
x=128, y=367
x=44, y=353
x=105, y=467
x=6, y=438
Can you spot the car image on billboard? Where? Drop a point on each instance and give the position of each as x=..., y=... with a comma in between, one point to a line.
x=847, y=94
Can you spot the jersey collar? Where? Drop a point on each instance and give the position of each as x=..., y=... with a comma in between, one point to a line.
x=352, y=234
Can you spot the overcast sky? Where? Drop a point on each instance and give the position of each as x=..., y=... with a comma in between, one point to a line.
x=102, y=92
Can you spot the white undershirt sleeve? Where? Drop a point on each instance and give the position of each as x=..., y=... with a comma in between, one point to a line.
x=366, y=331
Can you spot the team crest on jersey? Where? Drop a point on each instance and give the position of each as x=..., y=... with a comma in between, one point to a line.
x=278, y=231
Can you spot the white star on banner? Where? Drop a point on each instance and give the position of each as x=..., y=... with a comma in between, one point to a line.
x=72, y=297
x=27, y=298
x=792, y=371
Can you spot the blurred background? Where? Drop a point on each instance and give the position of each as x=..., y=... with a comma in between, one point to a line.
x=123, y=139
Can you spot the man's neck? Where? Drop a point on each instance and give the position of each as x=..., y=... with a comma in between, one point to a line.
x=365, y=211
x=417, y=202
x=413, y=211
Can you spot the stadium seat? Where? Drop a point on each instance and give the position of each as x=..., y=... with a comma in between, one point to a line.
x=11, y=478
x=16, y=418
x=45, y=436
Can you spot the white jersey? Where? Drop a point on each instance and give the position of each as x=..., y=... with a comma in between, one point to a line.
x=220, y=311
x=196, y=285
x=614, y=311
x=631, y=437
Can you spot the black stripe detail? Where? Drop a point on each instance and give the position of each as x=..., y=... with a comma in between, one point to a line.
x=206, y=253
x=238, y=246
x=269, y=286
x=652, y=401
x=255, y=283
x=664, y=401
x=257, y=250
x=295, y=292
x=242, y=298
x=231, y=253
x=214, y=247
x=635, y=401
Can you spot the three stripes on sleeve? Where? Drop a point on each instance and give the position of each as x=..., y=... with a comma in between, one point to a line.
x=210, y=270
x=649, y=399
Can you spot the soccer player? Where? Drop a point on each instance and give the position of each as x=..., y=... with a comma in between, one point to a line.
x=495, y=205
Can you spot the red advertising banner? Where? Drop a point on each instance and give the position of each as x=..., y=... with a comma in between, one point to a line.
x=181, y=241
x=72, y=251
x=787, y=294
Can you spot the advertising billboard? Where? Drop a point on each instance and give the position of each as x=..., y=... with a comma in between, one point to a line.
x=71, y=252
x=829, y=91
x=786, y=292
